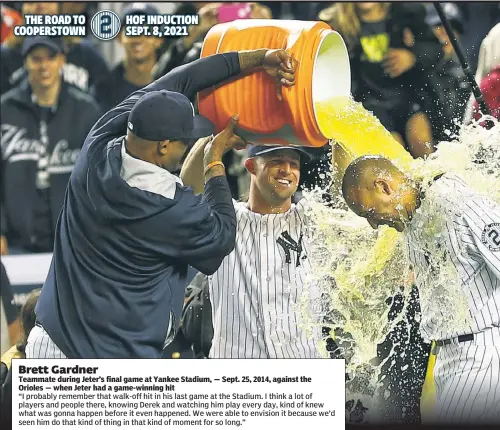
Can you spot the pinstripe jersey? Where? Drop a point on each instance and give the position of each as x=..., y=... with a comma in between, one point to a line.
x=467, y=229
x=40, y=345
x=257, y=290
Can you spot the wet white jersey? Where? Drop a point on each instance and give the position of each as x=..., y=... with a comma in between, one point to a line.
x=465, y=232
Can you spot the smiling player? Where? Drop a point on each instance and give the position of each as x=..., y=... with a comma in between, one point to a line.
x=256, y=288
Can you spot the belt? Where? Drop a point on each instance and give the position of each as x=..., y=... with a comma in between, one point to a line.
x=463, y=338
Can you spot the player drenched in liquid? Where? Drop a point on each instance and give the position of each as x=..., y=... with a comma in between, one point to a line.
x=452, y=235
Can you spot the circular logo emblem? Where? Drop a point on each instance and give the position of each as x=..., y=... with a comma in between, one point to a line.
x=491, y=236
x=105, y=25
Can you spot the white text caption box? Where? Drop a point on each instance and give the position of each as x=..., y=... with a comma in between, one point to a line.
x=187, y=394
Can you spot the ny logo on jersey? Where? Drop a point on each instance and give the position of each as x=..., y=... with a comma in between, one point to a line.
x=288, y=244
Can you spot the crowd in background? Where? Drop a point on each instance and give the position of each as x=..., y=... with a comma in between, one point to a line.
x=404, y=69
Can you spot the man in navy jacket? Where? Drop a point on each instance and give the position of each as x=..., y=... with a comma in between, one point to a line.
x=44, y=122
x=129, y=227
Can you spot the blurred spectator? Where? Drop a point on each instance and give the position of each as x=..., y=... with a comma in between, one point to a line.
x=81, y=8
x=479, y=18
x=186, y=8
x=453, y=16
x=489, y=59
x=84, y=64
x=448, y=89
x=188, y=49
x=10, y=18
x=135, y=71
x=301, y=10
x=259, y=11
x=177, y=53
x=190, y=8
x=44, y=122
x=391, y=50
x=490, y=87
x=73, y=8
x=10, y=323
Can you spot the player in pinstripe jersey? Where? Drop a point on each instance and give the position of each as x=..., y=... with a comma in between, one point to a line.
x=257, y=290
x=453, y=241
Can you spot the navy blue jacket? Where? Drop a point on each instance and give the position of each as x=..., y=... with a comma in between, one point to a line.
x=23, y=133
x=118, y=272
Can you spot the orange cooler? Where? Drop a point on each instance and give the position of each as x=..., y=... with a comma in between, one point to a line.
x=323, y=73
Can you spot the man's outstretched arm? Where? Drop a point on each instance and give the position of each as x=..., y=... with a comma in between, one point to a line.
x=199, y=75
x=207, y=72
x=192, y=168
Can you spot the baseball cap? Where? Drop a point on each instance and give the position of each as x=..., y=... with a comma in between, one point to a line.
x=167, y=115
x=451, y=12
x=139, y=9
x=53, y=43
x=255, y=151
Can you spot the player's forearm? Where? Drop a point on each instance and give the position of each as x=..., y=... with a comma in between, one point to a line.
x=251, y=59
x=188, y=79
x=207, y=72
x=199, y=75
x=192, y=168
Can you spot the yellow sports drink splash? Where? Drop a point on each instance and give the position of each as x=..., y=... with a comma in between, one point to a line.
x=360, y=267
x=355, y=265
x=428, y=398
x=357, y=132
